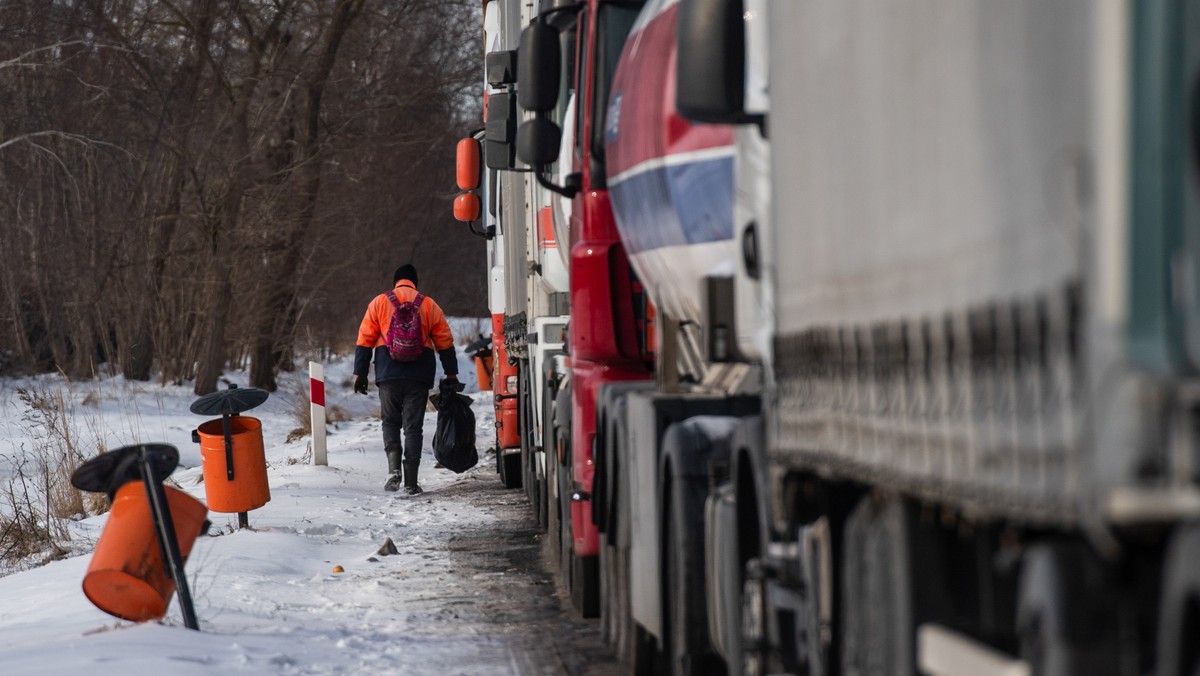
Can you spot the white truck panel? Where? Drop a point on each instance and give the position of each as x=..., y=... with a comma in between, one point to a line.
x=939, y=154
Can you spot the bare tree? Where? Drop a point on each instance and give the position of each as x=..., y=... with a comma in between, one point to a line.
x=187, y=183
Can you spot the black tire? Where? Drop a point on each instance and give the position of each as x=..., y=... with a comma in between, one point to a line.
x=585, y=585
x=878, y=590
x=1067, y=617
x=525, y=423
x=614, y=577
x=647, y=658
x=685, y=613
x=1179, y=611
x=542, y=505
x=566, y=542
x=553, y=518
x=615, y=619
x=510, y=469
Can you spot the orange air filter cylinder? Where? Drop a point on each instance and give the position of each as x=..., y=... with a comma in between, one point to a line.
x=248, y=490
x=126, y=576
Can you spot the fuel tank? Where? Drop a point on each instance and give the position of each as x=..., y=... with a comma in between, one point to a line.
x=671, y=181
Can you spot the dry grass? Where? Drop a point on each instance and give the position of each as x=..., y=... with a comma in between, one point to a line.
x=38, y=498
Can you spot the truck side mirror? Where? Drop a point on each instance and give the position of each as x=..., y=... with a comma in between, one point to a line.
x=538, y=68
x=466, y=164
x=710, y=70
x=538, y=142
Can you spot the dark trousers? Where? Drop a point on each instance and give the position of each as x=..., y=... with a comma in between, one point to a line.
x=402, y=407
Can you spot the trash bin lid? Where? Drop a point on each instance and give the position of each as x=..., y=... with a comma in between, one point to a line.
x=109, y=471
x=226, y=402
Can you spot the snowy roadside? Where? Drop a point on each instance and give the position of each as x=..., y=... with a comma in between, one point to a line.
x=267, y=599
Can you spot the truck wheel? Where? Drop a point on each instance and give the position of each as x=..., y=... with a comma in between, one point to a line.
x=510, y=469
x=647, y=659
x=1179, y=610
x=685, y=612
x=585, y=585
x=1066, y=620
x=543, y=504
x=878, y=628
x=565, y=539
x=525, y=421
x=556, y=501
x=562, y=456
x=547, y=457
x=553, y=518
x=607, y=605
x=615, y=620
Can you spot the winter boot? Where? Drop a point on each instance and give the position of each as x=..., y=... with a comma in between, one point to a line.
x=410, y=477
x=397, y=477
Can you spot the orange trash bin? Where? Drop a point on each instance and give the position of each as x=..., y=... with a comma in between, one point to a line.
x=126, y=576
x=248, y=490
x=483, y=373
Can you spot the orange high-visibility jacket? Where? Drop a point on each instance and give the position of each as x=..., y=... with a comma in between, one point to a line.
x=372, y=334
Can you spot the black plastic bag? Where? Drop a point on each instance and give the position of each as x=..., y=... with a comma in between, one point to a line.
x=454, y=440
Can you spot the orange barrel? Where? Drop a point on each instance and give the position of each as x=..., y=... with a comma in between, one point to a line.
x=249, y=489
x=127, y=577
x=483, y=373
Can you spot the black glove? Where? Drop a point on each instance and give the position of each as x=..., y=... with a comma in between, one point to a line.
x=451, y=384
x=360, y=384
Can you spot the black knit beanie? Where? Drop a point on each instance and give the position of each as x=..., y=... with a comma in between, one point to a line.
x=406, y=271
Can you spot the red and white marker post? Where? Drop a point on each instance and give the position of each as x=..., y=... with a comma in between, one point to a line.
x=316, y=387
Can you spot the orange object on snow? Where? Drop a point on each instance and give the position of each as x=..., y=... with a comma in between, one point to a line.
x=126, y=576
x=483, y=372
x=248, y=490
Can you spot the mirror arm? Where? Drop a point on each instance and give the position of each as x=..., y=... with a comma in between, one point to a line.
x=545, y=15
x=568, y=191
x=479, y=233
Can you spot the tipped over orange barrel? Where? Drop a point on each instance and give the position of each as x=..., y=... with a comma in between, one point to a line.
x=126, y=576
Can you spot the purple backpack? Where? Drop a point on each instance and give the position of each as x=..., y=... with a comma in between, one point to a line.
x=405, y=340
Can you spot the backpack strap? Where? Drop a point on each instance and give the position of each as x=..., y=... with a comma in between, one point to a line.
x=396, y=301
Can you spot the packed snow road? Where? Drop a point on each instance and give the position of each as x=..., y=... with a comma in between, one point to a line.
x=466, y=591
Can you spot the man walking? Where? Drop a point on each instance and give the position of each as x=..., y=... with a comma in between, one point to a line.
x=403, y=327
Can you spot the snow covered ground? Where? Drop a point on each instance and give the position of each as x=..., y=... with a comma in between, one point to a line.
x=267, y=599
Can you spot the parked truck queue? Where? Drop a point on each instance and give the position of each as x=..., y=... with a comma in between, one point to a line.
x=852, y=337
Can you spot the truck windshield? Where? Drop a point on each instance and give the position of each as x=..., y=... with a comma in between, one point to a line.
x=614, y=23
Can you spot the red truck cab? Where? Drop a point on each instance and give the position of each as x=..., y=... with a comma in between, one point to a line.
x=608, y=310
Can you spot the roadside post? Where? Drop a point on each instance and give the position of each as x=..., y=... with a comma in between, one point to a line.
x=316, y=398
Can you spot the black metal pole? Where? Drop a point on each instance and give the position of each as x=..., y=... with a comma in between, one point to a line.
x=228, y=446
x=164, y=527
